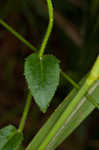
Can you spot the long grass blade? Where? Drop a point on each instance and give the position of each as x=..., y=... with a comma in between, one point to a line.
x=83, y=109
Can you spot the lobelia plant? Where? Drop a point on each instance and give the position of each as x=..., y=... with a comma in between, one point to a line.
x=42, y=73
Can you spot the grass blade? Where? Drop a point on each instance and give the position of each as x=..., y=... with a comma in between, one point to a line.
x=83, y=109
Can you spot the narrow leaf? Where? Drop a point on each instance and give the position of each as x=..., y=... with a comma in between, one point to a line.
x=43, y=78
x=83, y=109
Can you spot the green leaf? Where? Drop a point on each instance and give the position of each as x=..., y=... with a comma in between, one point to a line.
x=81, y=112
x=43, y=78
x=5, y=134
x=10, y=139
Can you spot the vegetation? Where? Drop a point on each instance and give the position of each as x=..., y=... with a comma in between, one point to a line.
x=44, y=75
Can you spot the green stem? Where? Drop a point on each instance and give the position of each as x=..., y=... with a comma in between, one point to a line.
x=78, y=87
x=70, y=80
x=26, y=110
x=17, y=35
x=49, y=29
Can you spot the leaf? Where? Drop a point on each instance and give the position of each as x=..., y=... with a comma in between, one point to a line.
x=74, y=120
x=83, y=109
x=43, y=78
x=5, y=134
x=10, y=138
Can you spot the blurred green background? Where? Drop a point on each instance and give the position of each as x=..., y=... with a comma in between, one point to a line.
x=74, y=41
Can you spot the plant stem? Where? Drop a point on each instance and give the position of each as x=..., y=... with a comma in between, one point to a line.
x=93, y=76
x=26, y=110
x=70, y=80
x=49, y=29
x=78, y=87
x=17, y=35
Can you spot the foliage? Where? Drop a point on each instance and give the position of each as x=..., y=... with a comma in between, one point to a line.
x=41, y=78
x=42, y=72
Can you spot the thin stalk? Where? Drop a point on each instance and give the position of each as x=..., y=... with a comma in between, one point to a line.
x=93, y=76
x=90, y=99
x=25, y=113
x=49, y=29
x=17, y=35
x=70, y=80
